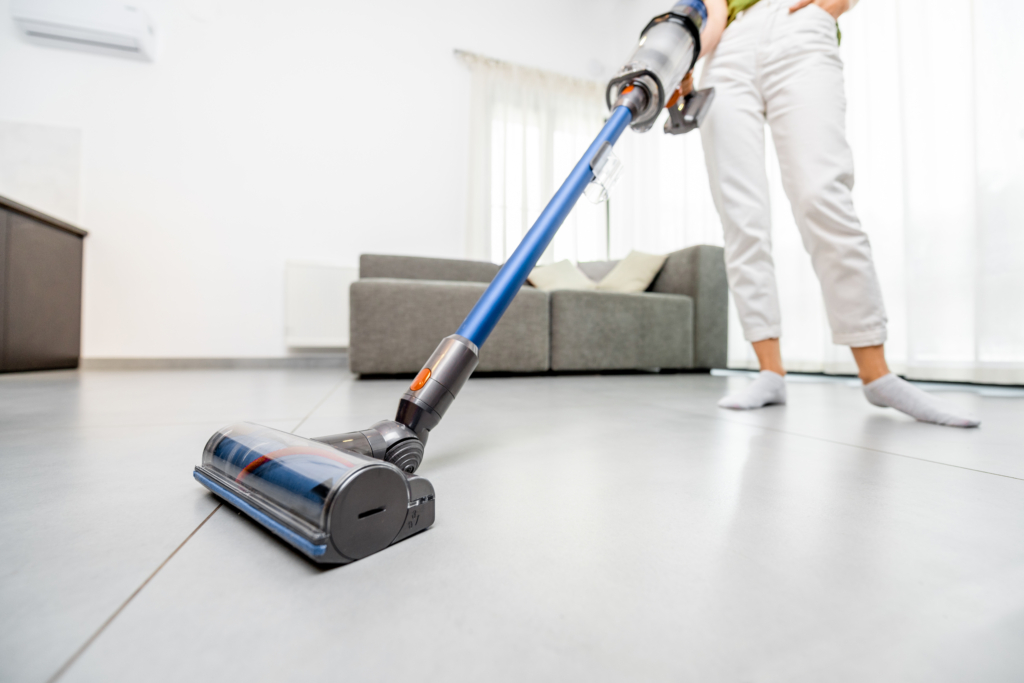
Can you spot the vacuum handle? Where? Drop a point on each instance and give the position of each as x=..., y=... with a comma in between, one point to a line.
x=689, y=112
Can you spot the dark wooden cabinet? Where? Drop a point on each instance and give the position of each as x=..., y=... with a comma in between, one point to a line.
x=40, y=290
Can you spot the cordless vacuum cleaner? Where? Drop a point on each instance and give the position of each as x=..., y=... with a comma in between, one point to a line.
x=339, y=498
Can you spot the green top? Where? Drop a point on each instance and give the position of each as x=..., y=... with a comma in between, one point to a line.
x=737, y=6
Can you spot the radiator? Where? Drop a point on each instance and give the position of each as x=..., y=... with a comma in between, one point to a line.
x=316, y=304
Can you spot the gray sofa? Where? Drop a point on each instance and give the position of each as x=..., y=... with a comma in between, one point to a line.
x=402, y=306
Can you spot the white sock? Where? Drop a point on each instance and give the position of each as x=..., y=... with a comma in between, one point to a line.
x=768, y=388
x=892, y=392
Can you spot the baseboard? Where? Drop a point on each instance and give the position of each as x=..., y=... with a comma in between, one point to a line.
x=552, y=373
x=331, y=360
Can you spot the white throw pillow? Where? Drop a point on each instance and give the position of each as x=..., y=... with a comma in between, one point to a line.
x=561, y=275
x=635, y=273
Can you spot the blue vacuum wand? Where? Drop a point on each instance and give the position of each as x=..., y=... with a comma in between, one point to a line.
x=342, y=497
x=480, y=322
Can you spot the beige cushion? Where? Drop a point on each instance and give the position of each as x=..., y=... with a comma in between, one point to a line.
x=561, y=275
x=635, y=273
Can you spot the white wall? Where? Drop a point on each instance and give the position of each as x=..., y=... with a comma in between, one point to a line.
x=40, y=164
x=272, y=130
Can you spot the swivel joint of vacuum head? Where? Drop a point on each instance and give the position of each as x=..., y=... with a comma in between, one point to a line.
x=668, y=49
x=437, y=385
x=401, y=441
x=386, y=440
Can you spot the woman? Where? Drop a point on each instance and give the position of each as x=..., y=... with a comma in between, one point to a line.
x=778, y=63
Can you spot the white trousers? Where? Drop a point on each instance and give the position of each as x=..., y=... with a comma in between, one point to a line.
x=784, y=69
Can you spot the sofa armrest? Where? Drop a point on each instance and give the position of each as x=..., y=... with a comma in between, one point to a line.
x=699, y=273
x=420, y=268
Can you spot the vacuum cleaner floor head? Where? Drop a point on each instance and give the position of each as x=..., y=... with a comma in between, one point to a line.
x=333, y=505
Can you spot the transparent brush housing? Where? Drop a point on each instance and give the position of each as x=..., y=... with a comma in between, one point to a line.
x=295, y=473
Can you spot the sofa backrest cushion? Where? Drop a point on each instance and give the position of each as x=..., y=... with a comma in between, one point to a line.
x=561, y=275
x=420, y=268
x=635, y=273
x=596, y=270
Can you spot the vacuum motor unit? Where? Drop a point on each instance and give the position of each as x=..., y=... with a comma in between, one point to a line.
x=668, y=49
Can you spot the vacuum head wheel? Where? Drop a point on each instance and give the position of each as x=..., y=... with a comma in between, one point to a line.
x=406, y=455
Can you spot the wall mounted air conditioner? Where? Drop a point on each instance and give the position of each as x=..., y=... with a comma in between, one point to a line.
x=103, y=26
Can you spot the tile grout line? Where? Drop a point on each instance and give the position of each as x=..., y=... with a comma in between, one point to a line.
x=78, y=653
x=902, y=455
x=849, y=445
x=320, y=403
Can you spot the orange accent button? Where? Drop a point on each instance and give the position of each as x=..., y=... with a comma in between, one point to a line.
x=420, y=380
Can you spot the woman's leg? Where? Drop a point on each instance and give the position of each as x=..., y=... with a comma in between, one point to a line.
x=806, y=106
x=733, y=139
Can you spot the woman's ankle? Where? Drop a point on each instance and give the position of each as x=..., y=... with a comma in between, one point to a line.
x=869, y=377
x=871, y=363
x=769, y=356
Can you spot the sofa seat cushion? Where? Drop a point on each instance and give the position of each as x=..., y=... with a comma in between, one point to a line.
x=614, y=331
x=397, y=323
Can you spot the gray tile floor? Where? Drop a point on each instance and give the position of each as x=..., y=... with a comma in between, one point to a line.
x=589, y=527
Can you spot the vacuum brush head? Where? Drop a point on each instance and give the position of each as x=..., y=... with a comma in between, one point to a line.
x=332, y=503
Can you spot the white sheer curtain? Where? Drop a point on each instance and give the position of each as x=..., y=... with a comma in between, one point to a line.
x=935, y=116
x=963, y=148
x=936, y=121
x=529, y=128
